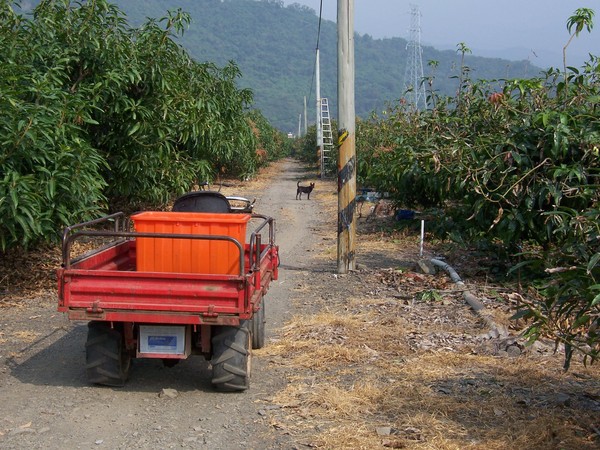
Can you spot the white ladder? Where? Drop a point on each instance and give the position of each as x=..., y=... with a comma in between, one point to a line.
x=327, y=150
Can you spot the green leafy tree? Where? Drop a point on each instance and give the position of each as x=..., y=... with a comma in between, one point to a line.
x=94, y=112
x=515, y=168
x=582, y=18
x=49, y=172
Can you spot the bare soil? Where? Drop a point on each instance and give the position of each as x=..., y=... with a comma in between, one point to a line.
x=383, y=357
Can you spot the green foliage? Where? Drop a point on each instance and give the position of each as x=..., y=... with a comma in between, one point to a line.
x=519, y=167
x=49, y=173
x=91, y=109
x=271, y=144
x=582, y=18
x=306, y=150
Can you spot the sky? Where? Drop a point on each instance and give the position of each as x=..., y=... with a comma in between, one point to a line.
x=512, y=29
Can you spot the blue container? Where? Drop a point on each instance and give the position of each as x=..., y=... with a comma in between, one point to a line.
x=405, y=214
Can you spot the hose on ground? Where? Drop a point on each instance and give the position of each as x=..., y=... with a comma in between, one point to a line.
x=496, y=330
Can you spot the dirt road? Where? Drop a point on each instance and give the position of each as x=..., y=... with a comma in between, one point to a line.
x=47, y=402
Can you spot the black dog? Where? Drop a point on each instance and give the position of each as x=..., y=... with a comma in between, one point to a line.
x=304, y=190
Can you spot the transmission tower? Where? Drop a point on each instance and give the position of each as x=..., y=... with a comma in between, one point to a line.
x=414, y=87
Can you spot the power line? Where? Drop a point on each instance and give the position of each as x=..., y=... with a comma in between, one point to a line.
x=312, y=81
x=319, y=30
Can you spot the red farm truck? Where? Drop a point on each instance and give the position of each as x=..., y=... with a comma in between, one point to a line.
x=168, y=285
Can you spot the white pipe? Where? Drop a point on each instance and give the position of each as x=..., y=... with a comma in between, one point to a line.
x=497, y=330
x=422, y=236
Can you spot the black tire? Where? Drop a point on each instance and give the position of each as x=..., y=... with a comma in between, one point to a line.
x=232, y=356
x=107, y=361
x=258, y=327
x=169, y=362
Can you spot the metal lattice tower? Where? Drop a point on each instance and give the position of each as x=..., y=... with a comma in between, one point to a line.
x=414, y=87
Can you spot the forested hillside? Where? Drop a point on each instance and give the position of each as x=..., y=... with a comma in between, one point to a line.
x=95, y=113
x=274, y=46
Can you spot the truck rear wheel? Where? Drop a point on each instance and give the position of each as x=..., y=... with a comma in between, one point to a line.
x=107, y=360
x=232, y=356
x=258, y=327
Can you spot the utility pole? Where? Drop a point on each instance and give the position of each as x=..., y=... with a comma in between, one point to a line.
x=346, y=138
x=318, y=95
x=299, y=125
x=305, y=118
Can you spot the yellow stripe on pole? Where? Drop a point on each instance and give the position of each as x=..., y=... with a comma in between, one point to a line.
x=342, y=137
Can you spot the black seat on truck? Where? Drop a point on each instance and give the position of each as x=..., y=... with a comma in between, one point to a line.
x=202, y=201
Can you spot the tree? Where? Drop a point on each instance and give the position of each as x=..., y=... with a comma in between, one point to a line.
x=582, y=18
x=516, y=170
x=94, y=112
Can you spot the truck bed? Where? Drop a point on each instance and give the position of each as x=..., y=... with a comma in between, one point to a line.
x=105, y=285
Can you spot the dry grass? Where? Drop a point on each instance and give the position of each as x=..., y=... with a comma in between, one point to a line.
x=381, y=365
x=433, y=399
x=25, y=336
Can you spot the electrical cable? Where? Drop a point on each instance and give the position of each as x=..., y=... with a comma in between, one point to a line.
x=319, y=29
x=316, y=48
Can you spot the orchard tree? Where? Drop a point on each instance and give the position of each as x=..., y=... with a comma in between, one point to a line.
x=516, y=170
x=582, y=18
x=94, y=112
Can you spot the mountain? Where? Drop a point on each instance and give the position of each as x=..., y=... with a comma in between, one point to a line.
x=274, y=46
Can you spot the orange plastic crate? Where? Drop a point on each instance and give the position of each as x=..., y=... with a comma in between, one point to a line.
x=189, y=255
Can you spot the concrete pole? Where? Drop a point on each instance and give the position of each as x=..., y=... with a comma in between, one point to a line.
x=299, y=125
x=346, y=138
x=319, y=124
x=305, y=118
